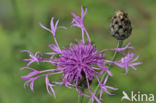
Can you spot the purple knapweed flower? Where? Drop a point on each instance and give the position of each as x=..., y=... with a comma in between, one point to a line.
x=79, y=59
x=79, y=64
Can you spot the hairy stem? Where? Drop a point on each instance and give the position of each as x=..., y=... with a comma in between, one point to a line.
x=120, y=42
x=80, y=97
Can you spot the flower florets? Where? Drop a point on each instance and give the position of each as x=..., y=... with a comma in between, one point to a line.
x=128, y=61
x=80, y=59
x=79, y=64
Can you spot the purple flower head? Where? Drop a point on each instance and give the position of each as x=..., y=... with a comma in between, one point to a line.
x=79, y=64
x=78, y=61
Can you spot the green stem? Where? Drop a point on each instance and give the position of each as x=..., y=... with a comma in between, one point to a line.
x=80, y=97
x=120, y=42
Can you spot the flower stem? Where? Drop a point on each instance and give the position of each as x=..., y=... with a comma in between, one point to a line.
x=80, y=97
x=119, y=45
x=120, y=42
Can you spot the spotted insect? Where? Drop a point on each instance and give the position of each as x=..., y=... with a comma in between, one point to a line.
x=120, y=25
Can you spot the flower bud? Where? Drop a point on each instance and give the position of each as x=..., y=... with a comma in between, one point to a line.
x=120, y=25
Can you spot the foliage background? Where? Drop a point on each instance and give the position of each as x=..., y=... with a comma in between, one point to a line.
x=19, y=29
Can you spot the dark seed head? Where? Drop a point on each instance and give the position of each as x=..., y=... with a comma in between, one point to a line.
x=120, y=26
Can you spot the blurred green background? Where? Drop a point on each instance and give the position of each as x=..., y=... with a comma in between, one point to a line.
x=19, y=29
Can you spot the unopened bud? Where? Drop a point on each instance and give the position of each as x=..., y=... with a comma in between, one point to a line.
x=120, y=25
